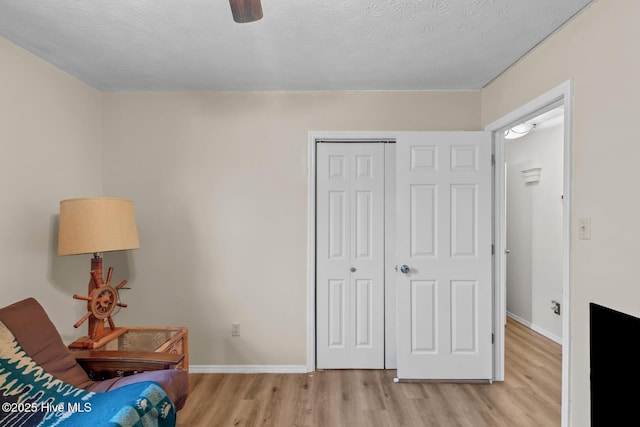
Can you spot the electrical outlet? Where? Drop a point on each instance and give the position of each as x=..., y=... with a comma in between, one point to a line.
x=235, y=329
x=555, y=306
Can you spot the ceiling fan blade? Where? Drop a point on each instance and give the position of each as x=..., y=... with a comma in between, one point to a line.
x=246, y=10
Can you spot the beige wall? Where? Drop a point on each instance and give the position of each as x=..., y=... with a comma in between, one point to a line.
x=50, y=149
x=220, y=186
x=599, y=51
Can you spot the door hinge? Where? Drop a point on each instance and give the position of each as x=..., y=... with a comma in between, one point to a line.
x=493, y=249
x=492, y=338
x=493, y=159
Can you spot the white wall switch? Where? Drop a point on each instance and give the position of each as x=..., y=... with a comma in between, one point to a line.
x=235, y=329
x=584, y=228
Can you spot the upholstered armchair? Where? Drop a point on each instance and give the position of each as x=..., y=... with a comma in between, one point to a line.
x=29, y=342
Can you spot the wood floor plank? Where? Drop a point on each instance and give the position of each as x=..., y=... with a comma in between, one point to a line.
x=529, y=396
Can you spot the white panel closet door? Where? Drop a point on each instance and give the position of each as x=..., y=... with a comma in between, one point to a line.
x=444, y=294
x=350, y=256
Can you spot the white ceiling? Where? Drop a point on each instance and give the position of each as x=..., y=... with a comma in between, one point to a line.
x=298, y=45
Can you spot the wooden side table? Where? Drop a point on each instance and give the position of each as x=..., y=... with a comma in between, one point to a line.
x=102, y=365
x=171, y=340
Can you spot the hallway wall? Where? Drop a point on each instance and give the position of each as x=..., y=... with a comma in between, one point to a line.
x=534, y=230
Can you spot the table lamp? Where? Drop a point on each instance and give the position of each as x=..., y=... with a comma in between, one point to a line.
x=94, y=226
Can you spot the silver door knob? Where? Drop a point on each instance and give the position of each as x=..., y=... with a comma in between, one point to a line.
x=405, y=269
x=507, y=251
x=353, y=269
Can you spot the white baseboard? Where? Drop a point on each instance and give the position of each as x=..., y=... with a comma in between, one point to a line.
x=248, y=369
x=538, y=329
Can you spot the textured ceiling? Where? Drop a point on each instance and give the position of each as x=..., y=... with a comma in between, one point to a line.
x=298, y=45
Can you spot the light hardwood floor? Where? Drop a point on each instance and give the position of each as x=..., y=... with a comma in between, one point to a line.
x=529, y=396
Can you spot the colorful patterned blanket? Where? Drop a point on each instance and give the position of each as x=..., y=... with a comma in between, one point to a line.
x=30, y=396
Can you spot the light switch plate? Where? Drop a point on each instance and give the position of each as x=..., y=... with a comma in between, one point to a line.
x=584, y=228
x=235, y=329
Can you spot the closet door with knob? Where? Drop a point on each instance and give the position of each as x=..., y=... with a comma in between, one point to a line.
x=350, y=256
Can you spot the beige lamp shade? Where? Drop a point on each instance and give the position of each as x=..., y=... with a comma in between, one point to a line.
x=93, y=225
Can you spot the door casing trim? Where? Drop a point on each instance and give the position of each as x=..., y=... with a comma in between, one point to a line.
x=560, y=95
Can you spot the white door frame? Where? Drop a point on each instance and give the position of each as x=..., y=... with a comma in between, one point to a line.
x=560, y=95
x=311, y=230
